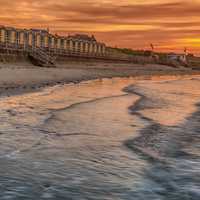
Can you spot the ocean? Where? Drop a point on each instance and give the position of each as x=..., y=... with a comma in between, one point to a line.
x=108, y=139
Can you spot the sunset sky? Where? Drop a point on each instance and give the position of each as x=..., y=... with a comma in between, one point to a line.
x=169, y=24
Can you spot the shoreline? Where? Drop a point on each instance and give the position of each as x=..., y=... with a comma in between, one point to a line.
x=18, y=79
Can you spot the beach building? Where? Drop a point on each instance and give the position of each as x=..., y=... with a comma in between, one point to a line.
x=44, y=47
x=177, y=57
x=79, y=44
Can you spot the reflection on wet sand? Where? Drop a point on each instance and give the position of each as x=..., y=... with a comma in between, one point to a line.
x=104, y=139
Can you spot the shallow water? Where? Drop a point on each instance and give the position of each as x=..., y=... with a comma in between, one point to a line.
x=104, y=139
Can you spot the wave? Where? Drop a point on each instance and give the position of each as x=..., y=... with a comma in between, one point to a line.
x=172, y=154
x=53, y=111
x=157, y=141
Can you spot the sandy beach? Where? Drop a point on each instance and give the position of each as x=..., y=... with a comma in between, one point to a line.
x=24, y=77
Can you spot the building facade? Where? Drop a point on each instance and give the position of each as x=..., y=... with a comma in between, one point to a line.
x=78, y=44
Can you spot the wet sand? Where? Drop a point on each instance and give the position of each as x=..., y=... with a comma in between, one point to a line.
x=24, y=77
x=105, y=139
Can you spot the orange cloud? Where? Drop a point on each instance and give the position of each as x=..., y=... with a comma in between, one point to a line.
x=170, y=25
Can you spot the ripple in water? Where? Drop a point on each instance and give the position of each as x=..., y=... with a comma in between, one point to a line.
x=109, y=139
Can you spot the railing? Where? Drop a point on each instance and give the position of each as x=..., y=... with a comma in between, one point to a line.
x=48, y=55
x=41, y=55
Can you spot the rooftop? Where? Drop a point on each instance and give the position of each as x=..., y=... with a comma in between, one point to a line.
x=83, y=37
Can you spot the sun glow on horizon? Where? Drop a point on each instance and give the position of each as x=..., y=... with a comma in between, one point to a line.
x=132, y=24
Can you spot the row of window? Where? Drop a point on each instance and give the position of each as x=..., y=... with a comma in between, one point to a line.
x=49, y=41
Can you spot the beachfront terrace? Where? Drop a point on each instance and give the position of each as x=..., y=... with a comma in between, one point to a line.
x=22, y=39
